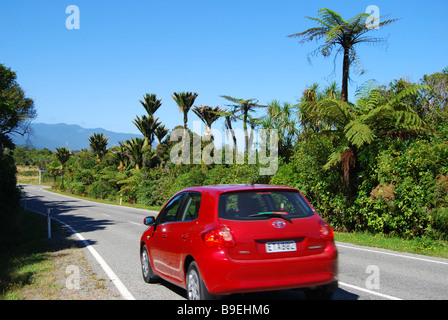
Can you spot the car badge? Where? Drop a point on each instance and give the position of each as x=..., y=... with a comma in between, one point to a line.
x=279, y=224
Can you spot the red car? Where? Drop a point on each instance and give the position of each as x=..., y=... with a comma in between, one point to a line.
x=226, y=239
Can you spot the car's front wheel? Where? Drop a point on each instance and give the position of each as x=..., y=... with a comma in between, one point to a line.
x=148, y=274
x=196, y=289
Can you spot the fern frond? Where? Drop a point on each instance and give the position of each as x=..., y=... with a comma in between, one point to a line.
x=359, y=133
x=408, y=91
x=330, y=17
x=408, y=120
x=334, y=111
x=336, y=156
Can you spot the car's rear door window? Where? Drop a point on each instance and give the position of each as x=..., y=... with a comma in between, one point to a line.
x=263, y=204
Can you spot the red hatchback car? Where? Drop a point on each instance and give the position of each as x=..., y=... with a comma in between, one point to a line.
x=226, y=239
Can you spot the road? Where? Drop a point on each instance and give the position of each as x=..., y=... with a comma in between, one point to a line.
x=113, y=234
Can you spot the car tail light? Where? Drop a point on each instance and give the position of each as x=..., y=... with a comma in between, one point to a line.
x=219, y=237
x=326, y=232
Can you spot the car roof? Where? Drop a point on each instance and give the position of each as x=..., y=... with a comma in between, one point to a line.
x=222, y=188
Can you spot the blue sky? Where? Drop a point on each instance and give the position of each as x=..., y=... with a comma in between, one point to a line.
x=96, y=75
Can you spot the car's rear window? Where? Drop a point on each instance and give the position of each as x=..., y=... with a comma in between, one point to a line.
x=263, y=204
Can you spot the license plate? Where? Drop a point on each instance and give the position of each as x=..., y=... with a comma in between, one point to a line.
x=281, y=246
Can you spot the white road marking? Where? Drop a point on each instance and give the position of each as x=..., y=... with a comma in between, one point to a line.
x=368, y=291
x=111, y=274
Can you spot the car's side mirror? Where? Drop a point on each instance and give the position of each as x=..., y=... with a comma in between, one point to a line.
x=149, y=221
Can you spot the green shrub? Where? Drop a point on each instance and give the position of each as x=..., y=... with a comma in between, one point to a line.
x=101, y=190
x=9, y=192
x=438, y=220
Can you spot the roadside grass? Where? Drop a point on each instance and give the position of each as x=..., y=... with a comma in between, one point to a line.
x=423, y=246
x=33, y=267
x=24, y=251
x=30, y=175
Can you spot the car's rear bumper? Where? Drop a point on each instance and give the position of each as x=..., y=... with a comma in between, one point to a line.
x=223, y=275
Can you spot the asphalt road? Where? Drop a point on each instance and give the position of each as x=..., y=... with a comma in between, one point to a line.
x=113, y=234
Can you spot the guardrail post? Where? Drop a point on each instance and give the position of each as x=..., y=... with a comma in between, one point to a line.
x=49, y=223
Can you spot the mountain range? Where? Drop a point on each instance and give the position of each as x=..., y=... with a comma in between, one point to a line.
x=71, y=136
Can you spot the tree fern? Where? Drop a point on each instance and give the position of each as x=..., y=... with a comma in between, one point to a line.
x=340, y=35
x=359, y=133
x=336, y=155
x=354, y=126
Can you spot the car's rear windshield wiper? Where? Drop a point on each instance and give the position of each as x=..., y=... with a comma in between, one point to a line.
x=273, y=214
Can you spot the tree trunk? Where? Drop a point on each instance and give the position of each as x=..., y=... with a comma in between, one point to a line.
x=185, y=120
x=345, y=73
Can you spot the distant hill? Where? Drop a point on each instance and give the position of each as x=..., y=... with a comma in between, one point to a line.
x=71, y=136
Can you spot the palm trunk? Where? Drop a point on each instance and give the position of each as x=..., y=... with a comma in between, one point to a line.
x=345, y=73
x=246, y=136
x=185, y=120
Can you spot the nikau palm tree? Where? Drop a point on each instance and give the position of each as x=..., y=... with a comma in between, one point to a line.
x=151, y=103
x=121, y=155
x=147, y=126
x=243, y=108
x=134, y=148
x=231, y=116
x=341, y=35
x=208, y=115
x=98, y=144
x=63, y=154
x=185, y=101
x=161, y=133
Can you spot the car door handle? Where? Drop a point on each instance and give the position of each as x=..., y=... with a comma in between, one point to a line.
x=164, y=236
x=184, y=237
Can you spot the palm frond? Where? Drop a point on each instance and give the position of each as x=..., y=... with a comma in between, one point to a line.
x=207, y=114
x=151, y=103
x=184, y=100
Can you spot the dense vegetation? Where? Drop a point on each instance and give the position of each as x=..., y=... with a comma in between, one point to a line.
x=15, y=111
x=379, y=164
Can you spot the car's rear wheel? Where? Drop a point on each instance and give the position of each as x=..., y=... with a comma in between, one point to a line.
x=196, y=289
x=148, y=274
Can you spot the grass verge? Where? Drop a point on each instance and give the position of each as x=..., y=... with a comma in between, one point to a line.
x=33, y=267
x=424, y=246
